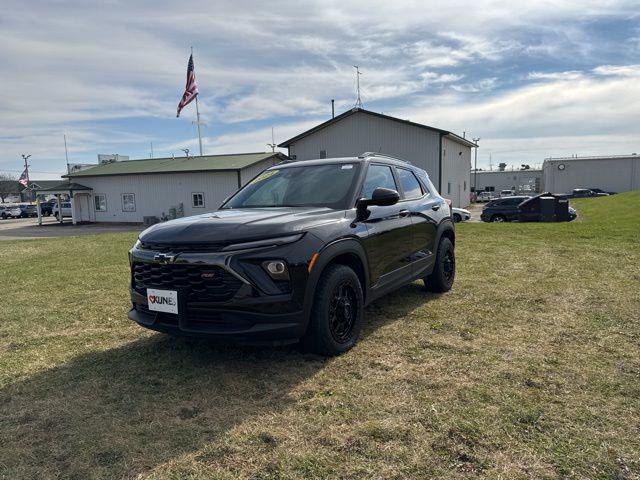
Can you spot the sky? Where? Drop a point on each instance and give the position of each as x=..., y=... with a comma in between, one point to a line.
x=532, y=79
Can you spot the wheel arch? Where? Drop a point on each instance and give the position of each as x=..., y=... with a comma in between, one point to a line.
x=349, y=252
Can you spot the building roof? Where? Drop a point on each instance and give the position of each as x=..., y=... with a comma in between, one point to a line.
x=530, y=170
x=353, y=111
x=602, y=157
x=64, y=187
x=40, y=184
x=178, y=164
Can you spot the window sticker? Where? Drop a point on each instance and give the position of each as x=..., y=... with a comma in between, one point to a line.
x=264, y=176
x=348, y=166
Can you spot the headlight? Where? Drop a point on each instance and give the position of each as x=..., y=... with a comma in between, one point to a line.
x=268, y=242
x=138, y=244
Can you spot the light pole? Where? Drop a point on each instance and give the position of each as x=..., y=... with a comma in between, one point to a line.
x=475, y=167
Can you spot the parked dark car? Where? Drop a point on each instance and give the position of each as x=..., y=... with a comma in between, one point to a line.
x=601, y=192
x=546, y=207
x=586, y=193
x=502, y=209
x=296, y=254
x=46, y=209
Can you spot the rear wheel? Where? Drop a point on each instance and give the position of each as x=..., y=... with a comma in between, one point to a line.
x=498, y=218
x=336, y=316
x=444, y=271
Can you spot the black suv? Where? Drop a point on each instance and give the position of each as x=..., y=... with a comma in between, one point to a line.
x=295, y=254
x=502, y=210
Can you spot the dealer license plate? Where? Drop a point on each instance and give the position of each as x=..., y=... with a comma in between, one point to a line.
x=162, y=300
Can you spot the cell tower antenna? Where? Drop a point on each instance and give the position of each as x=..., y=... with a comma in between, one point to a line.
x=358, y=99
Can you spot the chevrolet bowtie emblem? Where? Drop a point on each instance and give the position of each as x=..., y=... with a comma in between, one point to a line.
x=162, y=258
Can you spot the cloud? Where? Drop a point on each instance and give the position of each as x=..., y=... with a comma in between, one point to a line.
x=112, y=72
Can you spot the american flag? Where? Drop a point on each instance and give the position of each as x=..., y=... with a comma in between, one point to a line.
x=23, y=178
x=191, y=90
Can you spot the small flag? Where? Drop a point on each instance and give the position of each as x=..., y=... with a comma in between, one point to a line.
x=191, y=90
x=23, y=178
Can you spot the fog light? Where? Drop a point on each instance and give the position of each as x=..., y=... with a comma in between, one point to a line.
x=277, y=269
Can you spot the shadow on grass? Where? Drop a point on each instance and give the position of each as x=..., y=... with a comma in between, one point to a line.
x=123, y=411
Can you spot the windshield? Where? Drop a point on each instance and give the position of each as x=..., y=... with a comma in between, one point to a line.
x=304, y=186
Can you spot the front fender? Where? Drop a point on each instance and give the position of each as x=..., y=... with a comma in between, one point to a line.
x=348, y=246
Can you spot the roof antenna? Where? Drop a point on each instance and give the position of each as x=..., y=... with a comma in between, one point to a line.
x=273, y=142
x=358, y=99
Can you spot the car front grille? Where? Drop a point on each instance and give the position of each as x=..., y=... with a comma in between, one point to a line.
x=202, y=283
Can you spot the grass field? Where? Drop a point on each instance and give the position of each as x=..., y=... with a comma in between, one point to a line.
x=528, y=368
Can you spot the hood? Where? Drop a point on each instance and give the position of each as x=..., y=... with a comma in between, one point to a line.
x=233, y=225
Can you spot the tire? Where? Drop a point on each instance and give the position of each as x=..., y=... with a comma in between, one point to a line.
x=444, y=271
x=457, y=218
x=338, y=291
x=498, y=218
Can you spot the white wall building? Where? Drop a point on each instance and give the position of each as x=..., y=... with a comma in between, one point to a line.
x=616, y=173
x=128, y=191
x=444, y=155
x=520, y=181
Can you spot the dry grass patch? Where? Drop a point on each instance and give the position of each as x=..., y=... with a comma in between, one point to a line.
x=528, y=368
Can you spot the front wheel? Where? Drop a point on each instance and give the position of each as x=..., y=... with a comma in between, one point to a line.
x=444, y=271
x=336, y=316
x=457, y=218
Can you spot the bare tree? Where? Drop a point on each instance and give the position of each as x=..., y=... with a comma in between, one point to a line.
x=8, y=185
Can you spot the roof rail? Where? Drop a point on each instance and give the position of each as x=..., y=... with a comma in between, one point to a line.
x=385, y=155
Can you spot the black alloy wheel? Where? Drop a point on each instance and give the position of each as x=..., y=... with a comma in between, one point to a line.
x=343, y=311
x=337, y=312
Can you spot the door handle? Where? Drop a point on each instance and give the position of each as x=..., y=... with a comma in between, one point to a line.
x=435, y=207
x=404, y=213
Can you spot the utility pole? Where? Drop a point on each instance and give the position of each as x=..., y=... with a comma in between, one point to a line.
x=26, y=166
x=490, y=164
x=475, y=166
x=333, y=108
x=358, y=99
x=151, y=149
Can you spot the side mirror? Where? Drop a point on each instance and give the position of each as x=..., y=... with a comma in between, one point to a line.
x=381, y=197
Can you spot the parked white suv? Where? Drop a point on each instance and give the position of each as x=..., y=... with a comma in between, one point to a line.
x=66, y=209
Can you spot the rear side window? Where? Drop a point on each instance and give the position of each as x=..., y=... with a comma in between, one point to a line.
x=410, y=184
x=378, y=176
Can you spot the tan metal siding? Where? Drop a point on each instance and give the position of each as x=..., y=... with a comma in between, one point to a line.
x=610, y=174
x=361, y=133
x=456, y=172
x=156, y=193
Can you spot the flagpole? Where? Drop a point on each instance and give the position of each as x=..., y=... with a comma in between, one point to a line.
x=198, y=124
x=197, y=110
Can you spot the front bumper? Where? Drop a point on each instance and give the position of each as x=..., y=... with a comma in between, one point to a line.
x=257, y=311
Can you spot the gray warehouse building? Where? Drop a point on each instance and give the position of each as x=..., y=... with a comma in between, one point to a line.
x=616, y=173
x=520, y=181
x=444, y=155
x=129, y=191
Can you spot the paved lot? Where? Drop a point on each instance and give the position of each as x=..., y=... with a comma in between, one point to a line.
x=14, y=228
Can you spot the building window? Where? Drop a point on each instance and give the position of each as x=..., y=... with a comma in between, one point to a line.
x=448, y=188
x=197, y=200
x=100, y=202
x=128, y=202
x=323, y=154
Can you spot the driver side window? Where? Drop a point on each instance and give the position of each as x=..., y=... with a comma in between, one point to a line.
x=378, y=176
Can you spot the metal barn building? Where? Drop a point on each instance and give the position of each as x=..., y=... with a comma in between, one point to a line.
x=520, y=181
x=616, y=173
x=129, y=191
x=444, y=155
